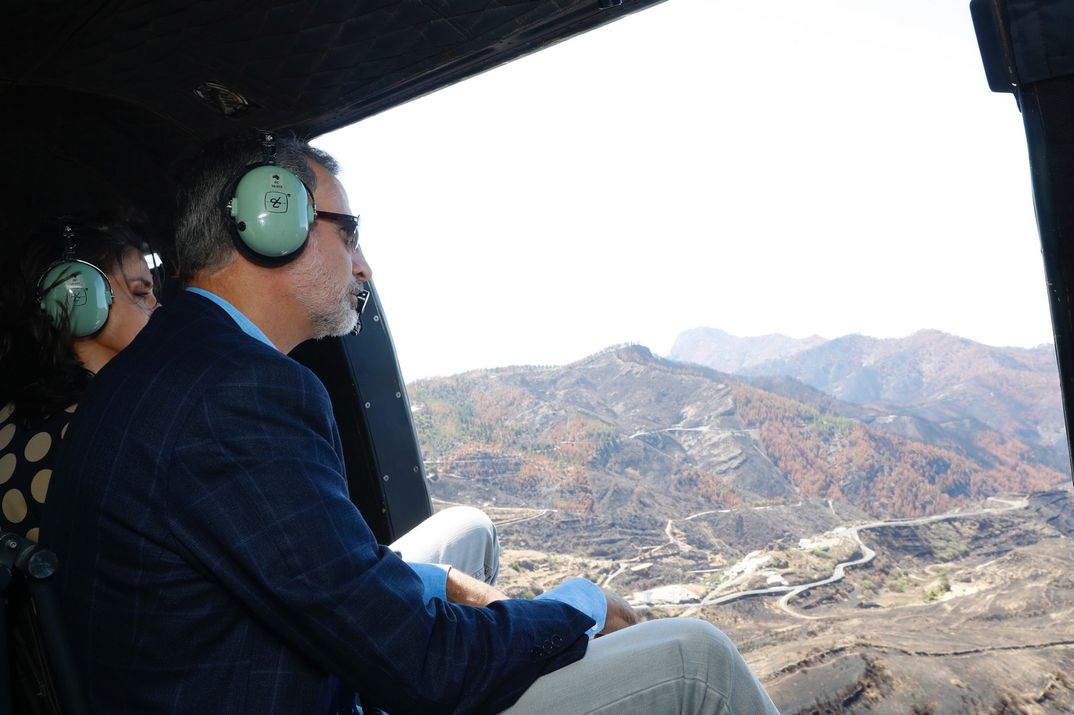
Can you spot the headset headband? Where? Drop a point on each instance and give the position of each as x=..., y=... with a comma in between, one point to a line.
x=68, y=234
x=268, y=148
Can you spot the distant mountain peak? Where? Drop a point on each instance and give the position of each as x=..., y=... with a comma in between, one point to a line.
x=930, y=375
x=722, y=351
x=632, y=351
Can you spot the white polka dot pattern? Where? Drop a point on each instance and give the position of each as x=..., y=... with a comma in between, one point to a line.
x=14, y=506
x=6, y=433
x=39, y=485
x=7, y=467
x=38, y=447
x=26, y=461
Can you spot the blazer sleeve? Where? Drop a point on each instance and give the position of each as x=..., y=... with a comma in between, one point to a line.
x=259, y=503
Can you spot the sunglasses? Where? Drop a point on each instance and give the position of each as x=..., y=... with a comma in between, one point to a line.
x=348, y=226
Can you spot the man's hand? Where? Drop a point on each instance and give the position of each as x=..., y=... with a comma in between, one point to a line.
x=468, y=591
x=620, y=613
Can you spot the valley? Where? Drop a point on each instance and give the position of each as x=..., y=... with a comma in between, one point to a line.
x=881, y=526
x=967, y=612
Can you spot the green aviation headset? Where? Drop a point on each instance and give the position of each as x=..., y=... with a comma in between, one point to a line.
x=273, y=211
x=75, y=292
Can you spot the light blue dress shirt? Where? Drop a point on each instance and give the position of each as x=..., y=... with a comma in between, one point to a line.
x=580, y=593
x=584, y=595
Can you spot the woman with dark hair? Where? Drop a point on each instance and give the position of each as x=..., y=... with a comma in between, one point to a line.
x=77, y=294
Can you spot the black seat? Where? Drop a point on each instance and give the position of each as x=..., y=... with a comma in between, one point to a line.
x=34, y=651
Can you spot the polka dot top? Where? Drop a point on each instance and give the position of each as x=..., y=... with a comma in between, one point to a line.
x=26, y=459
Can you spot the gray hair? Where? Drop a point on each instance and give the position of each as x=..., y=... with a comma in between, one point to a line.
x=204, y=233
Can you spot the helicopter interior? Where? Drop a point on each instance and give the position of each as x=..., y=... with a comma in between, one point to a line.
x=104, y=102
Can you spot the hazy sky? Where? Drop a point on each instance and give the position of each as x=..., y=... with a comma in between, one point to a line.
x=828, y=167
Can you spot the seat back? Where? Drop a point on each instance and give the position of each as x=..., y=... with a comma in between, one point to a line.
x=34, y=650
x=34, y=691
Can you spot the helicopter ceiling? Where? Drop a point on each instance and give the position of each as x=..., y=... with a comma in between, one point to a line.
x=102, y=100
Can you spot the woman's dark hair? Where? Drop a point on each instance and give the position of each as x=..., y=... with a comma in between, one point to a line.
x=39, y=370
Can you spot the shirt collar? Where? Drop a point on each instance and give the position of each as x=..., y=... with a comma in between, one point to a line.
x=241, y=320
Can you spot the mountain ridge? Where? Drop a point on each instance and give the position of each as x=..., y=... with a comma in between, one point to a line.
x=960, y=388
x=625, y=435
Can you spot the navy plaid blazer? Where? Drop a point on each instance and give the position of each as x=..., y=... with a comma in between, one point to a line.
x=211, y=561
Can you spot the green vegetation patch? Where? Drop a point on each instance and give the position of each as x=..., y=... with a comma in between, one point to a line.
x=938, y=589
x=829, y=427
x=946, y=541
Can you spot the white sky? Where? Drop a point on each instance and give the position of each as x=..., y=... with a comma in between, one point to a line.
x=823, y=167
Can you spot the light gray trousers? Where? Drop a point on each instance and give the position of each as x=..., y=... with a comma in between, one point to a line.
x=461, y=537
x=662, y=667
x=670, y=666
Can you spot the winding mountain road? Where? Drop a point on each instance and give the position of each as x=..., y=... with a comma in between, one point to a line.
x=839, y=572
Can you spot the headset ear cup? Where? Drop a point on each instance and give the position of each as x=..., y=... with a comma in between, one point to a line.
x=273, y=212
x=78, y=293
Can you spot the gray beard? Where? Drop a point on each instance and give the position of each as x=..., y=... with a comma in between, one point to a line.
x=329, y=315
x=339, y=322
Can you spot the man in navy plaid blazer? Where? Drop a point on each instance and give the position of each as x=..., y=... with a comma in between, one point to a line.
x=211, y=559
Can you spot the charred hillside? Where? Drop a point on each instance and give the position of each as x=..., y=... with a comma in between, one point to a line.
x=930, y=386
x=629, y=438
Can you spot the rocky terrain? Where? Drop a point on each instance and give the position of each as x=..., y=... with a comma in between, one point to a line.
x=971, y=612
x=865, y=557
